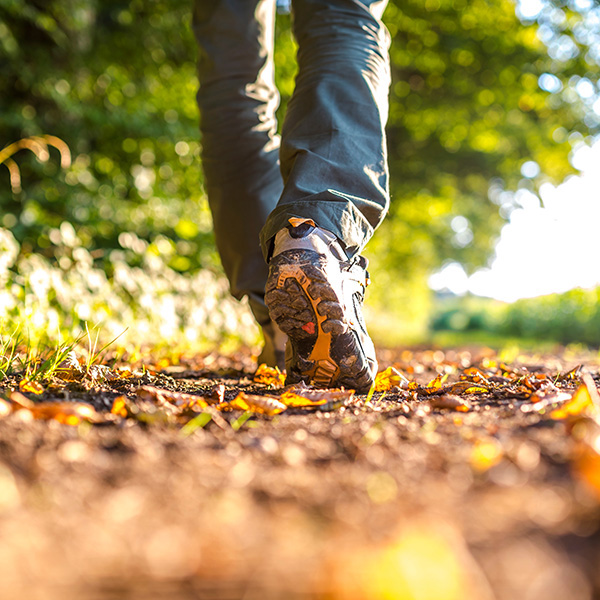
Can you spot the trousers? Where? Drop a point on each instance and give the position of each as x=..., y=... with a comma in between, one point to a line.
x=330, y=162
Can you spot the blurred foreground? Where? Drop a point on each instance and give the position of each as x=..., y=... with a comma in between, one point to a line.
x=473, y=487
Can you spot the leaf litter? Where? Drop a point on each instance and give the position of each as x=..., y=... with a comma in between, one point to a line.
x=452, y=452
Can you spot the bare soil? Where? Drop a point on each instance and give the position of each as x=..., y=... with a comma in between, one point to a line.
x=395, y=498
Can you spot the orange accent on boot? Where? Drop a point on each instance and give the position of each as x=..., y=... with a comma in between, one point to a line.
x=296, y=221
x=325, y=368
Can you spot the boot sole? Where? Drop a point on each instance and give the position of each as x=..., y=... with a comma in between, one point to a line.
x=307, y=308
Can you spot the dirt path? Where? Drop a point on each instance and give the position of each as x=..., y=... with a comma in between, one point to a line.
x=399, y=498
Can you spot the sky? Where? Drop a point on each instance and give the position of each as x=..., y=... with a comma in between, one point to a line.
x=550, y=243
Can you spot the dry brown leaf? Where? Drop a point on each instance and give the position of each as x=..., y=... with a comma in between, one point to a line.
x=19, y=401
x=269, y=376
x=69, y=413
x=266, y=405
x=388, y=378
x=217, y=395
x=69, y=369
x=179, y=399
x=34, y=387
x=451, y=402
x=541, y=400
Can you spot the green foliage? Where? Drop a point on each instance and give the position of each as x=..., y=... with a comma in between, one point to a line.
x=466, y=112
x=116, y=81
x=572, y=317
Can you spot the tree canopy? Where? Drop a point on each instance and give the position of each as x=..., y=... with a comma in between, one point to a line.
x=486, y=99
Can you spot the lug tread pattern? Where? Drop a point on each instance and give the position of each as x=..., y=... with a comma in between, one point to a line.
x=293, y=309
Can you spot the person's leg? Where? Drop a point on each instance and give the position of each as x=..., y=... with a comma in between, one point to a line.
x=237, y=101
x=333, y=155
x=334, y=165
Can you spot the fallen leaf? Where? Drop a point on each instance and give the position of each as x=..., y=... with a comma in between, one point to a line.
x=388, y=378
x=69, y=413
x=217, y=395
x=572, y=374
x=304, y=397
x=466, y=387
x=100, y=373
x=541, y=400
x=269, y=376
x=485, y=454
x=69, y=369
x=20, y=401
x=179, y=399
x=266, y=405
x=119, y=407
x=451, y=402
x=34, y=387
x=580, y=403
x=473, y=374
x=436, y=384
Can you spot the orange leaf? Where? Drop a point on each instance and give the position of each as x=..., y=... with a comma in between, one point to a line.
x=266, y=405
x=69, y=413
x=473, y=374
x=300, y=397
x=119, y=407
x=163, y=363
x=19, y=401
x=387, y=379
x=581, y=402
x=27, y=385
x=269, y=375
x=436, y=384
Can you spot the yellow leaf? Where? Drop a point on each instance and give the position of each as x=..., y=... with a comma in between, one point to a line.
x=266, y=405
x=387, y=379
x=435, y=384
x=163, y=363
x=27, y=385
x=119, y=407
x=473, y=374
x=299, y=397
x=269, y=376
x=466, y=387
x=485, y=454
x=581, y=402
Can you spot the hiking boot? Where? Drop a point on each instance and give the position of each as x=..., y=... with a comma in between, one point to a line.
x=273, y=352
x=315, y=294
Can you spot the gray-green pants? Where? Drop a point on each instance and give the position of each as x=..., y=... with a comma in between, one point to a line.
x=330, y=164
